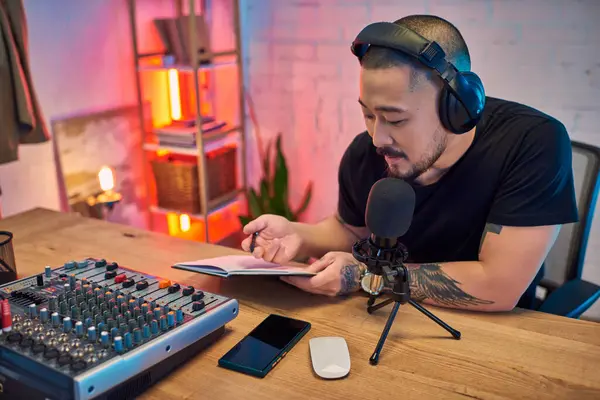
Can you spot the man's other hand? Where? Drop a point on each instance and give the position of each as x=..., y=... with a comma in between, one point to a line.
x=338, y=273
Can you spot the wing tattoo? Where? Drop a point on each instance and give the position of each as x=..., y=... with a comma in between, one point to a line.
x=428, y=281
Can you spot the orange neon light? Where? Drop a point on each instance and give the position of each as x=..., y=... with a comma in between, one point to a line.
x=184, y=222
x=174, y=99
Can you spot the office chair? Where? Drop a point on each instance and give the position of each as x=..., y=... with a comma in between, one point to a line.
x=566, y=293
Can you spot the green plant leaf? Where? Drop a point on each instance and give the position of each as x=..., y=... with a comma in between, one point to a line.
x=279, y=200
x=266, y=162
x=254, y=203
x=264, y=196
x=304, y=202
x=244, y=219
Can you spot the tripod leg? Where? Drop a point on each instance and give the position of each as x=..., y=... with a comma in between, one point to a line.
x=441, y=323
x=372, y=298
x=376, y=307
x=375, y=357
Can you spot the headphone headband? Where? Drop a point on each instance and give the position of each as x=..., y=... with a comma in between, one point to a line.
x=398, y=37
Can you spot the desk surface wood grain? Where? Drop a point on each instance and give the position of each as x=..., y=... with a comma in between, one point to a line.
x=520, y=354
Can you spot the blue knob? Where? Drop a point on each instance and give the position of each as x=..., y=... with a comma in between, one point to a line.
x=69, y=265
x=157, y=312
x=180, y=316
x=44, y=315
x=48, y=272
x=55, y=319
x=118, y=343
x=104, y=339
x=171, y=319
x=128, y=340
x=32, y=311
x=146, y=331
x=114, y=332
x=154, y=327
x=91, y=334
x=137, y=335
x=67, y=324
x=79, y=328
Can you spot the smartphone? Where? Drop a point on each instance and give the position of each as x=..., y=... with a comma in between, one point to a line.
x=259, y=351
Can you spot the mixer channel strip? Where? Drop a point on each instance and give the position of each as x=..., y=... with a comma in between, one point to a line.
x=79, y=319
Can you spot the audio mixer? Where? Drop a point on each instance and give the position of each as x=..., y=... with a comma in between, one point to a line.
x=93, y=329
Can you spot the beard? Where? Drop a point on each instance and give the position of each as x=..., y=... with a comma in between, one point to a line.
x=427, y=160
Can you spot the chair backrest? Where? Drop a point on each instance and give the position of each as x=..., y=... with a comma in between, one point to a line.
x=565, y=260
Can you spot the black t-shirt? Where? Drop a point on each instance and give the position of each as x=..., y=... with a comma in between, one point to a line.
x=517, y=172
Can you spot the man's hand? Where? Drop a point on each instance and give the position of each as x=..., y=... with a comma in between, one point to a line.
x=338, y=273
x=277, y=240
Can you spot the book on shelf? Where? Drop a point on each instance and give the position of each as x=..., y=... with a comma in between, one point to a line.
x=227, y=266
x=182, y=135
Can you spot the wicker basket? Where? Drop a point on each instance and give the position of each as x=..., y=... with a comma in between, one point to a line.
x=177, y=184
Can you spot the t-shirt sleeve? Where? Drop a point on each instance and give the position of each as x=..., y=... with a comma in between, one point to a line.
x=538, y=186
x=349, y=209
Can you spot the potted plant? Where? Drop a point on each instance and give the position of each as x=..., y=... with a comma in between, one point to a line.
x=272, y=196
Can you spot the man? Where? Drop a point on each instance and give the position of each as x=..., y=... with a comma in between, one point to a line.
x=489, y=202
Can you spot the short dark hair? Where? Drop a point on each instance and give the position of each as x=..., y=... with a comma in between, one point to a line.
x=432, y=28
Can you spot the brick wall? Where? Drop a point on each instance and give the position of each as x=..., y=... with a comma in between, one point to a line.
x=304, y=80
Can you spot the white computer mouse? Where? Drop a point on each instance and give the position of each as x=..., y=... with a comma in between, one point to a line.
x=330, y=357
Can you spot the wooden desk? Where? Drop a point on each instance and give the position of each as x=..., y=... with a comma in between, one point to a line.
x=521, y=354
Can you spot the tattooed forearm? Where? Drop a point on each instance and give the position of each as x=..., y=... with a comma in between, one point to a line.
x=350, y=279
x=429, y=281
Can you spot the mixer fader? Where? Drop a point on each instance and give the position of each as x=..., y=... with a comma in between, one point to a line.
x=95, y=329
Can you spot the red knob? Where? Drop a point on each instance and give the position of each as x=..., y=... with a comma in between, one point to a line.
x=6, y=317
x=120, y=278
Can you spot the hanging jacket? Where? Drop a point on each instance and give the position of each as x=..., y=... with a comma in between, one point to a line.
x=21, y=120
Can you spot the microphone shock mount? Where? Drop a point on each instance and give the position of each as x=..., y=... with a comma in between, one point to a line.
x=387, y=262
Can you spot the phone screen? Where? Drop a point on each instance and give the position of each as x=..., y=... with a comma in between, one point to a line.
x=257, y=351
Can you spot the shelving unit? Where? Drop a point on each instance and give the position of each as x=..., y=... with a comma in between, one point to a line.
x=205, y=141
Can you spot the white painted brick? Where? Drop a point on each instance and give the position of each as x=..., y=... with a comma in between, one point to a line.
x=334, y=53
x=526, y=11
x=588, y=121
x=287, y=52
x=557, y=35
x=341, y=89
x=580, y=12
x=522, y=53
x=492, y=34
x=580, y=55
x=316, y=69
x=392, y=12
x=458, y=11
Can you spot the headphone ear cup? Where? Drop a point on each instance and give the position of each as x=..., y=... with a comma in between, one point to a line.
x=461, y=103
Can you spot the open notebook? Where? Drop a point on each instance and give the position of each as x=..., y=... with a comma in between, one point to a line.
x=239, y=265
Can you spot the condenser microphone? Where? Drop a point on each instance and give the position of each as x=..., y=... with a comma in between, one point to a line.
x=390, y=208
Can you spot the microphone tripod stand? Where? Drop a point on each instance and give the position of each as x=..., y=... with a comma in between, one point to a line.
x=388, y=263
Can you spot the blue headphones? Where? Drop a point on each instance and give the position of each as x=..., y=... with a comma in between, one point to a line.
x=463, y=96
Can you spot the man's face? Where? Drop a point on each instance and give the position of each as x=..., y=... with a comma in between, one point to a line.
x=404, y=124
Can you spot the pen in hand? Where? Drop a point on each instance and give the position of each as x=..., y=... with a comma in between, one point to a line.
x=253, y=242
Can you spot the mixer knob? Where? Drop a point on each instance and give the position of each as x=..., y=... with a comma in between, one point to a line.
x=164, y=283
x=199, y=295
x=132, y=324
x=171, y=319
x=163, y=322
x=136, y=312
x=110, y=274
x=44, y=315
x=137, y=336
x=114, y=332
x=55, y=318
x=145, y=308
x=141, y=285
x=128, y=340
x=174, y=288
x=48, y=271
x=120, y=278
x=32, y=311
x=39, y=280
x=166, y=309
x=188, y=291
x=100, y=263
x=67, y=324
x=157, y=312
x=149, y=316
x=118, y=343
x=82, y=264
x=69, y=265
x=72, y=281
x=179, y=316
x=88, y=322
x=141, y=321
x=79, y=329
x=52, y=303
x=112, y=266
x=146, y=331
x=128, y=283
x=74, y=312
x=104, y=339
x=123, y=328
x=198, y=305
x=154, y=327
x=67, y=288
